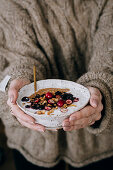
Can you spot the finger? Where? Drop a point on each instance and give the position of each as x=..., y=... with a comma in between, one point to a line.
x=94, y=117
x=14, y=88
x=21, y=115
x=87, y=121
x=91, y=123
x=95, y=97
x=82, y=123
x=85, y=112
x=98, y=117
x=19, y=83
x=12, y=95
x=66, y=123
x=17, y=112
x=55, y=130
x=100, y=108
x=32, y=126
x=68, y=128
x=77, y=127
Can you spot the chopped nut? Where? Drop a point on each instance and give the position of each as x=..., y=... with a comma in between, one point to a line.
x=41, y=112
x=65, y=106
x=73, y=105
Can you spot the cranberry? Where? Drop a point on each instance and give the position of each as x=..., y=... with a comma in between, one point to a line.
x=60, y=103
x=68, y=101
x=48, y=95
x=47, y=108
x=36, y=101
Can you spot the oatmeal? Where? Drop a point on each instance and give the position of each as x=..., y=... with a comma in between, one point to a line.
x=49, y=99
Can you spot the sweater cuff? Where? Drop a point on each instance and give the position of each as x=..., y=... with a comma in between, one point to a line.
x=96, y=80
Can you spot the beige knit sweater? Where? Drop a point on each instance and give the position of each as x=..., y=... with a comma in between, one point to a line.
x=66, y=39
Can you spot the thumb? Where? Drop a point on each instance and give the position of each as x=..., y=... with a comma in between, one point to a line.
x=95, y=97
x=15, y=86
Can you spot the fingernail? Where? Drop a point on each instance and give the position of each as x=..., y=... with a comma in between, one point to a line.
x=11, y=99
x=72, y=118
x=66, y=128
x=95, y=104
x=66, y=124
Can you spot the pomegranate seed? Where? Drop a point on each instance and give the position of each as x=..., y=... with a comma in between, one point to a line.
x=68, y=101
x=36, y=101
x=48, y=95
x=60, y=103
x=47, y=108
x=64, y=110
x=50, y=101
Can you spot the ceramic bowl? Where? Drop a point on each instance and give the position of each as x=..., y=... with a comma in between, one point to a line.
x=55, y=120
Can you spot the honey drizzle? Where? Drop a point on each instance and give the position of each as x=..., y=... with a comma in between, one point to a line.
x=44, y=91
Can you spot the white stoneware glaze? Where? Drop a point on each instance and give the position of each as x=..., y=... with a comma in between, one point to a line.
x=54, y=121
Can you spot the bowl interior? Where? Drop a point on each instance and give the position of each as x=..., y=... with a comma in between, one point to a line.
x=77, y=90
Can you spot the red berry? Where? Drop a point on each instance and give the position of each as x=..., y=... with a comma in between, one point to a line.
x=36, y=101
x=64, y=110
x=60, y=103
x=47, y=108
x=68, y=101
x=50, y=101
x=58, y=97
x=76, y=100
x=48, y=95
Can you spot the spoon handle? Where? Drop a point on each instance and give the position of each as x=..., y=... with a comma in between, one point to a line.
x=34, y=72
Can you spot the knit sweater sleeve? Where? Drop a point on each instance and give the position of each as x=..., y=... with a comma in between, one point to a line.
x=20, y=68
x=100, y=69
x=19, y=51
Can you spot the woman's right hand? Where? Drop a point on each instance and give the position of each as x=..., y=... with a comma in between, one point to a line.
x=23, y=118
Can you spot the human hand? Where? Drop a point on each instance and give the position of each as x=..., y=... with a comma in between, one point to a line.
x=86, y=116
x=23, y=118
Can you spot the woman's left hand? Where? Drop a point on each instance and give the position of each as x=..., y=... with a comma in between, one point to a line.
x=86, y=116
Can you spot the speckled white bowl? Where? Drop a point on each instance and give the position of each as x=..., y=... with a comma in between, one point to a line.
x=55, y=121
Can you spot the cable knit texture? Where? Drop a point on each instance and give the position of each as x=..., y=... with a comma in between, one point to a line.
x=66, y=39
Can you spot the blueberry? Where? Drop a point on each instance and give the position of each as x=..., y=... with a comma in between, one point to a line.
x=37, y=96
x=25, y=99
x=54, y=96
x=33, y=98
x=64, y=96
x=67, y=96
x=35, y=106
x=54, y=105
x=42, y=95
x=70, y=96
x=27, y=106
x=41, y=107
x=58, y=93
